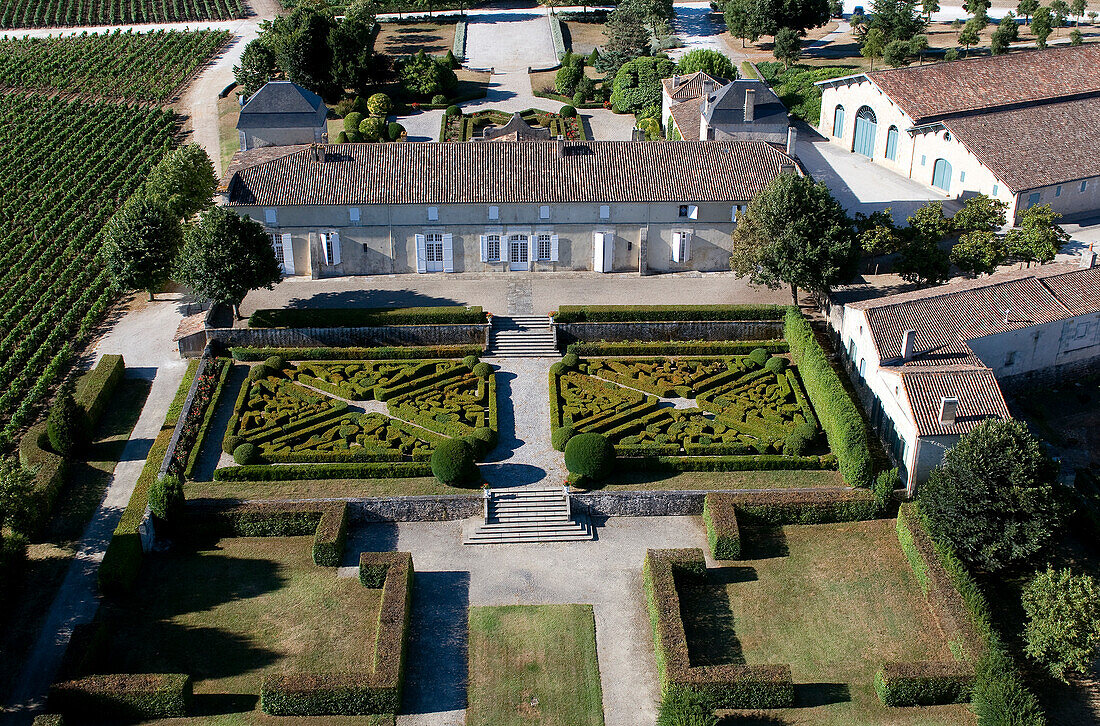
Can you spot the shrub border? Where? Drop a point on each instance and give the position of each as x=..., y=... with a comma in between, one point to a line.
x=124, y=695
x=726, y=686
x=208, y=415
x=411, y=352
x=665, y=313
x=326, y=521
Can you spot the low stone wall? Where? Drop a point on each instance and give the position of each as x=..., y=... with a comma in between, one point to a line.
x=415, y=509
x=671, y=503
x=383, y=335
x=666, y=331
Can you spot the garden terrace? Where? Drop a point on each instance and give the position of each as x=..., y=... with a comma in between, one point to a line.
x=205, y=610
x=533, y=664
x=328, y=415
x=744, y=406
x=853, y=604
x=464, y=127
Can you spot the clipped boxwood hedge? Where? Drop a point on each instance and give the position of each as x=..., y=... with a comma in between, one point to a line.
x=837, y=412
x=665, y=313
x=924, y=683
x=365, y=317
x=326, y=521
x=356, y=693
x=296, y=472
x=676, y=347
x=723, y=534
x=761, y=462
x=725, y=686
x=379, y=353
x=124, y=695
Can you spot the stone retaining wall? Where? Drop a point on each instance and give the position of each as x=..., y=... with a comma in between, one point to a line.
x=666, y=331
x=415, y=509
x=382, y=335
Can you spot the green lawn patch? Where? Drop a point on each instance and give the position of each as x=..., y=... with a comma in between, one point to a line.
x=533, y=664
x=832, y=600
x=229, y=611
x=323, y=488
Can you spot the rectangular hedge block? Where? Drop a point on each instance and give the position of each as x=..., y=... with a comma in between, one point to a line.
x=356, y=693
x=124, y=695
x=364, y=317
x=723, y=534
x=665, y=313
x=726, y=686
x=924, y=683
x=377, y=353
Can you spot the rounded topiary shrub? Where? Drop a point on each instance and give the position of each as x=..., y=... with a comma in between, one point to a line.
x=371, y=128
x=246, y=454
x=63, y=424
x=231, y=442
x=776, y=365
x=578, y=99
x=483, y=370
x=561, y=437
x=453, y=111
x=453, y=463
x=439, y=99
x=259, y=371
x=482, y=440
x=166, y=498
x=379, y=104
x=470, y=361
x=589, y=456
x=352, y=121
x=807, y=430
x=795, y=443
x=275, y=363
x=567, y=112
x=570, y=360
x=557, y=369
x=342, y=137
x=759, y=356
x=395, y=131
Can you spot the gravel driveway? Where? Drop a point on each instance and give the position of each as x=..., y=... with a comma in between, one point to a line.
x=510, y=41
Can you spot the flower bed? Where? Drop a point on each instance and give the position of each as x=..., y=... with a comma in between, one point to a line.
x=462, y=127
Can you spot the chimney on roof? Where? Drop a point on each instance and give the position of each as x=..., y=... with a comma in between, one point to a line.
x=908, y=345
x=1008, y=315
x=317, y=152
x=1088, y=260
x=949, y=409
x=792, y=136
x=675, y=81
x=750, y=105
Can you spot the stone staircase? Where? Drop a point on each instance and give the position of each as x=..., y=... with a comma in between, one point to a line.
x=530, y=515
x=522, y=336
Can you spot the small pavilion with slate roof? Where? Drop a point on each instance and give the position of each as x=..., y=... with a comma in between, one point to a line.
x=282, y=113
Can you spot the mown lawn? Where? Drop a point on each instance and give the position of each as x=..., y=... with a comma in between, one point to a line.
x=230, y=610
x=533, y=664
x=834, y=601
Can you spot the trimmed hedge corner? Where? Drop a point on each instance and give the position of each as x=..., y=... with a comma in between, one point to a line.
x=924, y=683
x=326, y=521
x=723, y=534
x=124, y=695
x=837, y=412
x=725, y=686
x=363, y=692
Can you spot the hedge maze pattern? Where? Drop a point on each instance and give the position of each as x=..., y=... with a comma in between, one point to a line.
x=314, y=411
x=742, y=406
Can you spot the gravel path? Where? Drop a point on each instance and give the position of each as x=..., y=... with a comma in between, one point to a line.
x=450, y=578
x=524, y=456
x=510, y=41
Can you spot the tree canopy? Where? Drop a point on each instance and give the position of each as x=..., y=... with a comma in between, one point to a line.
x=788, y=46
x=184, y=180
x=425, y=76
x=708, y=61
x=1062, y=632
x=225, y=256
x=1038, y=238
x=795, y=233
x=637, y=85
x=993, y=499
x=897, y=19
x=140, y=244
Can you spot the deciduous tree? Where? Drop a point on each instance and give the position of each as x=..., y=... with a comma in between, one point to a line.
x=978, y=253
x=637, y=85
x=1027, y=8
x=257, y=67
x=980, y=213
x=708, y=61
x=184, y=180
x=1062, y=633
x=1042, y=25
x=795, y=233
x=929, y=7
x=226, y=256
x=788, y=46
x=140, y=244
x=874, y=44
x=970, y=35
x=1038, y=238
x=898, y=19
x=993, y=499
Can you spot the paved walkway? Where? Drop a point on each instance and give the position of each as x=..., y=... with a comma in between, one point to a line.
x=525, y=42
x=494, y=290
x=523, y=456
x=449, y=578
x=697, y=26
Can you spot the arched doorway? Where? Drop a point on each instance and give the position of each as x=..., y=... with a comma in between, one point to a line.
x=892, y=143
x=866, y=125
x=838, y=121
x=941, y=174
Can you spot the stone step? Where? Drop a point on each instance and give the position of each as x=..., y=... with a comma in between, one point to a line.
x=507, y=534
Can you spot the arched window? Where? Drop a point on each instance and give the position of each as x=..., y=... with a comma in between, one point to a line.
x=838, y=122
x=864, y=140
x=892, y=143
x=941, y=174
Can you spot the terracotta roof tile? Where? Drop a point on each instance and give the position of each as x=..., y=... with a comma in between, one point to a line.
x=938, y=89
x=1036, y=146
x=687, y=118
x=685, y=88
x=1078, y=291
x=522, y=172
x=977, y=390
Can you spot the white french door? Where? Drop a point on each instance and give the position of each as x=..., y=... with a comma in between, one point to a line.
x=433, y=252
x=518, y=252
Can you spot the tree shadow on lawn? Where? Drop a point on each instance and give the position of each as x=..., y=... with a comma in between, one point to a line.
x=435, y=680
